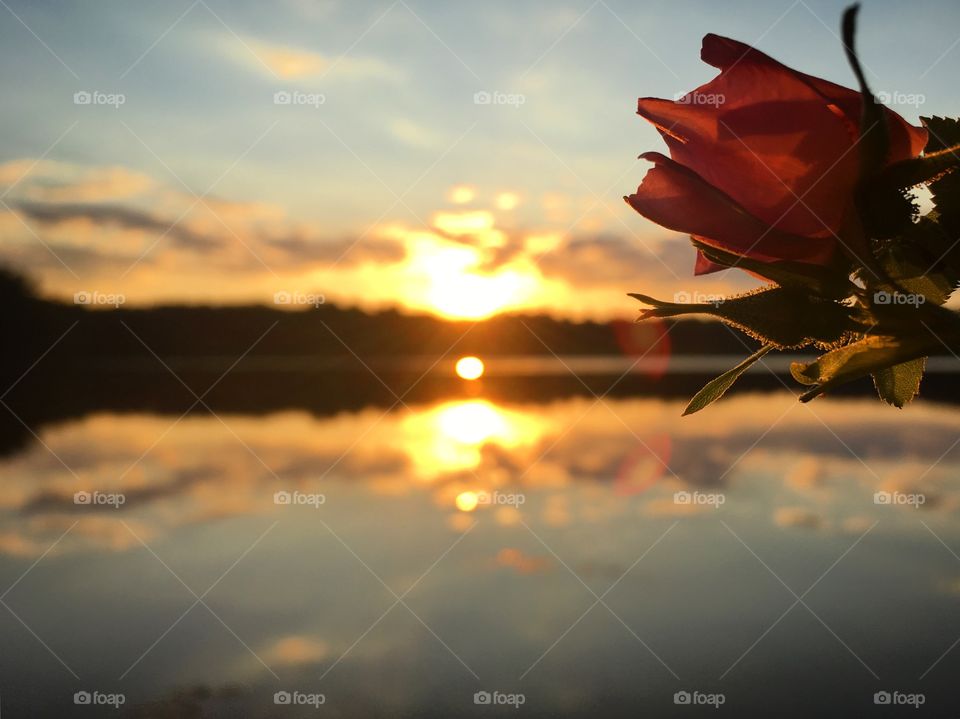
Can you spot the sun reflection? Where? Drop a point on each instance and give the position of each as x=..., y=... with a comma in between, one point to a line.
x=451, y=436
x=472, y=422
x=467, y=501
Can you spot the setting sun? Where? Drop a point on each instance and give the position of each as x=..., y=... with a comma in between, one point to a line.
x=448, y=283
x=470, y=367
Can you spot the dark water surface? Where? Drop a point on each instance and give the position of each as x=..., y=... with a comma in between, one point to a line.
x=584, y=557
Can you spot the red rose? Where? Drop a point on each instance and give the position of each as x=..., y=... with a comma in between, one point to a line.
x=765, y=159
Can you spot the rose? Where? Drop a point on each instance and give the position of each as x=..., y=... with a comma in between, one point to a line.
x=771, y=172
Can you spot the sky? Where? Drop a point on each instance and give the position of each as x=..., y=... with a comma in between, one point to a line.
x=449, y=157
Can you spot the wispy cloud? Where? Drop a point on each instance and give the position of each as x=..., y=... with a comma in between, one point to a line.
x=296, y=63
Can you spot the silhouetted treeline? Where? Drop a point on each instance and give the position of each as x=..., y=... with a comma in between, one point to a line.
x=29, y=325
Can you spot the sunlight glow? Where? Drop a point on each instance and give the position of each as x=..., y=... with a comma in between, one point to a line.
x=450, y=287
x=470, y=367
x=507, y=201
x=463, y=223
x=461, y=194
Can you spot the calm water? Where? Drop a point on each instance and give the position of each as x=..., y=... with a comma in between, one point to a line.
x=536, y=550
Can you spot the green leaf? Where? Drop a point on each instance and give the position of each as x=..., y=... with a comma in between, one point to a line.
x=914, y=269
x=716, y=388
x=943, y=133
x=781, y=316
x=899, y=384
x=858, y=359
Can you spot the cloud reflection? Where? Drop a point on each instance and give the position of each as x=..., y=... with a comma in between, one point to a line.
x=575, y=461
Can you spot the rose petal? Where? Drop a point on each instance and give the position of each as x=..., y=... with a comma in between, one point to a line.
x=780, y=143
x=773, y=146
x=906, y=140
x=678, y=198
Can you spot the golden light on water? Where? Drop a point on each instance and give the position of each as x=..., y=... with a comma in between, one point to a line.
x=472, y=422
x=467, y=501
x=452, y=436
x=470, y=368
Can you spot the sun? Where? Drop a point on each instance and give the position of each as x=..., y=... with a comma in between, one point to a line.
x=446, y=280
x=469, y=367
x=456, y=291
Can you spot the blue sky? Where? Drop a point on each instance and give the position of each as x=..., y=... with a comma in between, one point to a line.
x=296, y=188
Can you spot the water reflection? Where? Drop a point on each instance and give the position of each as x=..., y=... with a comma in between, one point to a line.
x=824, y=458
x=498, y=525
x=455, y=435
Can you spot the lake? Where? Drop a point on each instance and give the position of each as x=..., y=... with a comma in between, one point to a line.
x=469, y=556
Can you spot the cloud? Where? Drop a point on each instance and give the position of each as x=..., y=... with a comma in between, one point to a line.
x=797, y=517
x=604, y=259
x=128, y=218
x=301, y=246
x=295, y=651
x=86, y=225
x=410, y=133
x=51, y=181
x=107, y=183
x=55, y=501
x=294, y=63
